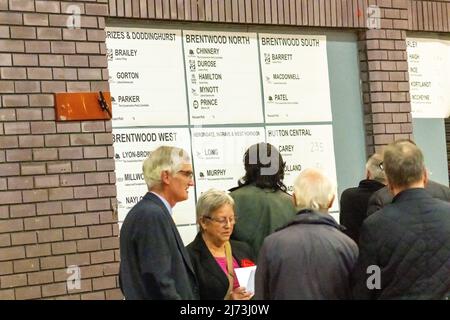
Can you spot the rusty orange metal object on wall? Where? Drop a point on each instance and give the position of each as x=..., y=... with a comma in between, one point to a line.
x=82, y=106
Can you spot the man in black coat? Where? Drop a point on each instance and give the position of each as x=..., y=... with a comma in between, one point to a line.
x=354, y=201
x=383, y=196
x=405, y=246
x=154, y=262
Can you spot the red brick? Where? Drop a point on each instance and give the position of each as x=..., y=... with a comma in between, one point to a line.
x=37, y=223
x=37, y=46
x=5, y=59
x=7, y=294
x=88, y=245
x=75, y=233
x=40, y=73
x=18, y=183
x=62, y=221
x=23, y=32
x=89, y=74
x=91, y=271
x=13, y=73
x=65, y=74
x=96, y=35
x=47, y=6
x=18, y=155
x=29, y=114
x=43, y=127
x=23, y=238
x=99, y=295
x=64, y=247
x=99, y=204
x=23, y=210
x=76, y=61
x=32, y=168
x=49, y=34
x=101, y=85
x=35, y=19
x=4, y=32
x=397, y=76
x=104, y=283
x=45, y=154
x=84, y=165
x=76, y=86
x=66, y=127
x=114, y=294
x=53, y=86
x=5, y=240
x=38, y=250
x=405, y=107
x=110, y=243
x=59, y=167
x=400, y=24
x=54, y=289
x=52, y=262
x=85, y=192
x=93, y=126
x=61, y=194
x=30, y=292
x=100, y=231
x=51, y=60
x=393, y=128
x=95, y=152
x=21, y=5
x=6, y=268
x=391, y=107
x=107, y=191
x=12, y=253
x=78, y=259
x=395, y=55
x=40, y=277
x=70, y=153
x=88, y=22
x=57, y=140
x=41, y=100
x=31, y=141
x=17, y=128
x=6, y=87
x=11, y=225
x=87, y=219
x=398, y=96
x=74, y=34
x=48, y=114
x=382, y=118
x=9, y=169
x=16, y=280
x=50, y=235
x=108, y=217
x=7, y=197
x=105, y=165
x=8, y=141
x=81, y=139
x=383, y=139
x=87, y=48
x=400, y=117
x=26, y=265
x=103, y=138
x=9, y=18
x=74, y=206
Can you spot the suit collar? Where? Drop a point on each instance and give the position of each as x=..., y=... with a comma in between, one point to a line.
x=410, y=194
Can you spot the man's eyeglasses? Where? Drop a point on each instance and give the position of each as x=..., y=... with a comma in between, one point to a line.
x=223, y=221
x=187, y=174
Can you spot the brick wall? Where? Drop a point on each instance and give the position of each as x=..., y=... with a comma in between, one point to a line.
x=57, y=183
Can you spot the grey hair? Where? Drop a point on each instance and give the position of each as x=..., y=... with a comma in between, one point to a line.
x=161, y=159
x=210, y=201
x=373, y=166
x=404, y=163
x=313, y=190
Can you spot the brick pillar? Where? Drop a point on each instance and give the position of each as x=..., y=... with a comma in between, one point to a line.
x=384, y=75
x=57, y=182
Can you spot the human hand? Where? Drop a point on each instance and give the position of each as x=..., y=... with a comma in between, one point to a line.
x=241, y=293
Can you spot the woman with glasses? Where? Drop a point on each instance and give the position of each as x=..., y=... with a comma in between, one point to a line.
x=213, y=255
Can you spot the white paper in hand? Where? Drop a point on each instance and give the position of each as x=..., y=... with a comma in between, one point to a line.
x=246, y=277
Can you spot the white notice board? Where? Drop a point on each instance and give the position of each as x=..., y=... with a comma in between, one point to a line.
x=429, y=81
x=215, y=94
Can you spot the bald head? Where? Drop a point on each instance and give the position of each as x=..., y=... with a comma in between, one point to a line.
x=313, y=190
x=403, y=163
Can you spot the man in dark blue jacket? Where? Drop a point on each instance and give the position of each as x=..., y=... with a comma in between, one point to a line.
x=405, y=246
x=154, y=262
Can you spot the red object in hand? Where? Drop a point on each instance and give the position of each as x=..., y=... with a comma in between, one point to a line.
x=247, y=263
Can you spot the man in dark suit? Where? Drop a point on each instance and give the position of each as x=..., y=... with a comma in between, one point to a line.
x=354, y=201
x=383, y=196
x=154, y=262
x=405, y=246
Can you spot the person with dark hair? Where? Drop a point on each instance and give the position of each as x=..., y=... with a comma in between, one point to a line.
x=405, y=246
x=261, y=199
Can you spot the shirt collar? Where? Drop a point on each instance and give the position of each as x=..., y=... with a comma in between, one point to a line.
x=169, y=208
